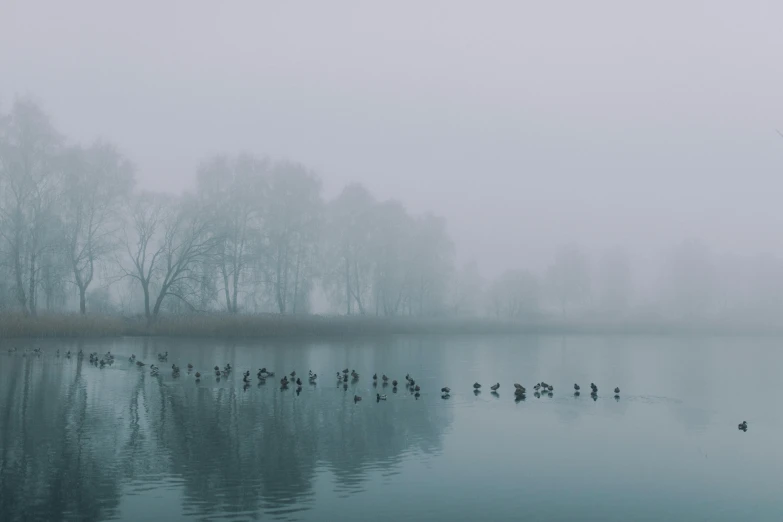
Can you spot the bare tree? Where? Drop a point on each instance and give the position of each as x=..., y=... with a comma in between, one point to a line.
x=168, y=242
x=233, y=191
x=96, y=181
x=29, y=183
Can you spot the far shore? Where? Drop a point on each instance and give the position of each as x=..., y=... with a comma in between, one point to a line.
x=13, y=326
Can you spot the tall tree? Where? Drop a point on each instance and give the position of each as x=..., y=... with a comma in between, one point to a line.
x=234, y=193
x=96, y=182
x=29, y=186
x=292, y=229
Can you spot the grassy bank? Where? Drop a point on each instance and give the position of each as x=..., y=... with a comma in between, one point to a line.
x=277, y=326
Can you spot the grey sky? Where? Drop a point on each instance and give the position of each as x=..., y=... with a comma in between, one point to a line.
x=526, y=124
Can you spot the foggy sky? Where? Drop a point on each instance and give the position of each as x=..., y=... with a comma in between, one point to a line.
x=525, y=124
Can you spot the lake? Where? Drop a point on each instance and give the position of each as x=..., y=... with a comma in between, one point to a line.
x=83, y=443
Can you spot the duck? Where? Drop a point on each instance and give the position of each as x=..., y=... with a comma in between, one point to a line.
x=313, y=377
x=394, y=383
x=380, y=397
x=246, y=377
x=617, y=390
x=495, y=387
x=445, y=389
x=190, y=366
x=217, y=368
x=293, y=374
x=519, y=392
x=139, y=363
x=551, y=388
x=356, y=398
x=407, y=377
x=743, y=425
x=298, y=381
x=217, y=373
x=518, y=386
x=411, y=382
x=417, y=388
x=476, y=386
x=385, y=379
x=346, y=371
x=345, y=378
x=175, y=368
x=198, y=375
x=576, y=387
x=537, y=387
x=374, y=376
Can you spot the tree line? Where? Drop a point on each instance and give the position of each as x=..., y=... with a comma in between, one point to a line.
x=255, y=235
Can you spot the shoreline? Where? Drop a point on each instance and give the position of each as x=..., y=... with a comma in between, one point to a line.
x=271, y=326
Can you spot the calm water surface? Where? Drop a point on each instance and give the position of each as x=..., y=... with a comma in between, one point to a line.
x=81, y=443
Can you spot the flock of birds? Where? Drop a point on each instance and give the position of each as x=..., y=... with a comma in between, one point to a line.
x=342, y=378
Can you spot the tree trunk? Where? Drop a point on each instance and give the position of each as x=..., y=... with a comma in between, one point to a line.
x=31, y=291
x=82, y=299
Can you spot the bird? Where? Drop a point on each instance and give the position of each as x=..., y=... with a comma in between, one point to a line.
x=298, y=381
x=551, y=388
x=190, y=366
x=417, y=388
x=346, y=371
x=495, y=387
x=380, y=397
x=743, y=425
x=519, y=392
x=139, y=363
x=445, y=389
x=374, y=376
x=537, y=387
x=394, y=382
x=617, y=390
x=576, y=387
x=445, y=395
x=293, y=374
x=476, y=386
x=198, y=375
x=386, y=379
x=356, y=398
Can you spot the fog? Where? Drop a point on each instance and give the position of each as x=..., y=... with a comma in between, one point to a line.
x=600, y=156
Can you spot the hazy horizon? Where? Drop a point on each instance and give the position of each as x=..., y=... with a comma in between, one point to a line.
x=526, y=126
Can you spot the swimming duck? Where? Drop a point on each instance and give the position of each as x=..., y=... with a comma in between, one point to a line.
x=743, y=425
x=217, y=368
x=576, y=387
x=190, y=367
x=411, y=382
x=394, y=382
x=139, y=363
x=537, y=387
x=298, y=381
x=380, y=397
x=617, y=390
x=416, y=388
x=346, y=371
x=374, y=376
x=551, y=388
x=495, y=387
x=476, y=386
x=313, y=377
x=356, y=398
x=293, y=374
x=519, y=392
x=198, y=376
x=385, y=378
x=445, y=389
x=217, y=373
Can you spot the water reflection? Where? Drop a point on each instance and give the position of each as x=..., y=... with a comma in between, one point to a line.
x=75, y=437
x=81, y=442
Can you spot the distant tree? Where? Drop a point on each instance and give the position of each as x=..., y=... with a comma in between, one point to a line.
x=467, y=290
x=569, y=277
x=29, y=188
x=234, y=192
x=615, y=280
x=97, y=181
x=514, y=295
x=292, y=228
